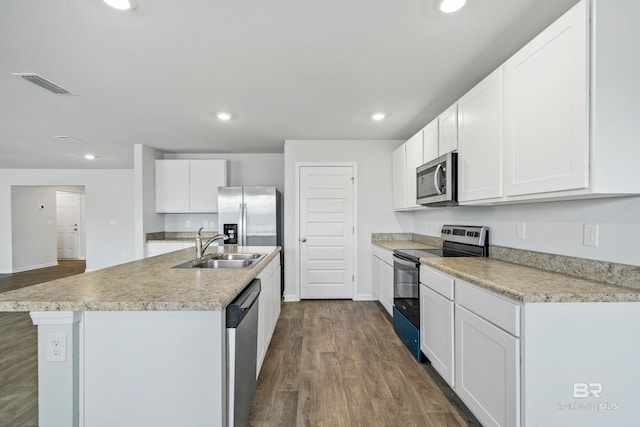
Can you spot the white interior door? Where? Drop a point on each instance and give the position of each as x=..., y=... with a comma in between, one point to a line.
x=68, y=220
x=326, y=235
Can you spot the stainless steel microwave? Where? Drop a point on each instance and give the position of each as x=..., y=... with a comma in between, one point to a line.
x=437, y=181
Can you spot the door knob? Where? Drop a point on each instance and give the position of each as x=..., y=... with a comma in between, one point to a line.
x=304, y=239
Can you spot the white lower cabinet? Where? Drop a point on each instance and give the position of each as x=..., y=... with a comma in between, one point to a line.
x=534, y=363
x=436, y=332
x=376, y=277
x=487, y=370
x=382, y=273
x=268, y=308
x=159, y=247
x=471, y=338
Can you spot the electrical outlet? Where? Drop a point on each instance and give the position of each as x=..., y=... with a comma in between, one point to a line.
x=521, y=230
x=57, y=347
x=187, y=224
x=590, y=235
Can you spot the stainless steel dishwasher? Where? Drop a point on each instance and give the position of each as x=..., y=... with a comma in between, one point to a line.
x=242, y=344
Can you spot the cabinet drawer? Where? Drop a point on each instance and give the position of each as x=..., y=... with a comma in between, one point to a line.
x=499, y=311
x=386, y=256
x=376, y=251
x=438, y=282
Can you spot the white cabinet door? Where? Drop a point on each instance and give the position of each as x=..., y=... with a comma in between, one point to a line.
x=205, y=178
x=265, y=303
x=487, y=370
x=184, y=186
x=172, y=185
x=480, y=129
x=399, y=178
x=276, y=286
x=448, y=130
x=547, y=109
x=413, y=159
x=436, y=332
x=430, y=141
x=387, y=287
x=376, y=277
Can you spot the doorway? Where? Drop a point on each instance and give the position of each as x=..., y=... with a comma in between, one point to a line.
x=34, y=227
x=326, y=213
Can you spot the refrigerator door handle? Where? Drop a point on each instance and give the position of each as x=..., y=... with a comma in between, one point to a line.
x=244, y=224
x=240, y=236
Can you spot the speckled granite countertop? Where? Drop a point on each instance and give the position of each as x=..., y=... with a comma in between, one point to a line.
x=528, y=284
x=401, y=244
x=149, y=284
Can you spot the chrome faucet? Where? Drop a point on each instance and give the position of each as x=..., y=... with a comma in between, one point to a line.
x=202, y=247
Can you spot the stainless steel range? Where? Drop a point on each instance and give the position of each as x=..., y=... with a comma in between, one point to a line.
x=459, y=241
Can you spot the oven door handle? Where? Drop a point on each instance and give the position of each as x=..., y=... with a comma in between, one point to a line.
x=405, y=262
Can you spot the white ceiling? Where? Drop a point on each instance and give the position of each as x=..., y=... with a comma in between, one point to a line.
x=286, y=69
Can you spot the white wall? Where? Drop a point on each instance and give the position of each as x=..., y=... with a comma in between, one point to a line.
x=375, y=212
x=109, y=211
x=34, y=240
x=552, y=227
x=146, y=218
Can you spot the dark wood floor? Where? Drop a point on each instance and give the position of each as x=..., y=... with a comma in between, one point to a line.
x=66, y=267
x=18, y=349
x=339, y=363
x=330, y=363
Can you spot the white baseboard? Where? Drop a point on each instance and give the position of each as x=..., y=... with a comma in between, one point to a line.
x=34, y=267
x=291, y=298
x=365, y=297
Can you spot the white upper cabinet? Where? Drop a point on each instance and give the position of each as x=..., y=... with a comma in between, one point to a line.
x=172, y=185
x=399, y=178
x=205, y=177
x=430, y=141
x=189, y=186
x=406, y=160
x=448, y=130
x=413, y=159
x=547, y=109
x=570, y=105
x=480, y=130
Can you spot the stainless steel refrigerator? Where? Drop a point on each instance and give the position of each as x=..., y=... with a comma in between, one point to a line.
x=250, y=215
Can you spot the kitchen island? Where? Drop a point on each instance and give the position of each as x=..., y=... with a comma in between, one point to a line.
x=135, y=344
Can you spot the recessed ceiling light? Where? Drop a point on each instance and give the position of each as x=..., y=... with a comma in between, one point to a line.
x=224, y=116
x=89, y=156
x=378, y=116
x=450, y=6
x=121, y=4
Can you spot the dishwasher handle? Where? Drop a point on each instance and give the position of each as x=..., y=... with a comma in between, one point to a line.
x=239, y=307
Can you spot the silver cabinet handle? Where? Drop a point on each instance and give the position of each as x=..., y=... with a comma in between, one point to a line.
x=304, y=239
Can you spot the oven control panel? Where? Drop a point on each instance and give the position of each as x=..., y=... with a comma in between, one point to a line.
x=469, y=234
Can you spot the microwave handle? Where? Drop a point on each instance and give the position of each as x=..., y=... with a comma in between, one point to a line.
x=436, y=180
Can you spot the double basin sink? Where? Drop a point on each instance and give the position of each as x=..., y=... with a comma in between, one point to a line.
x=223, y=260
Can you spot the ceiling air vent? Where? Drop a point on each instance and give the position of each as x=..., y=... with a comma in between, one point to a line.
x=44, y=83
